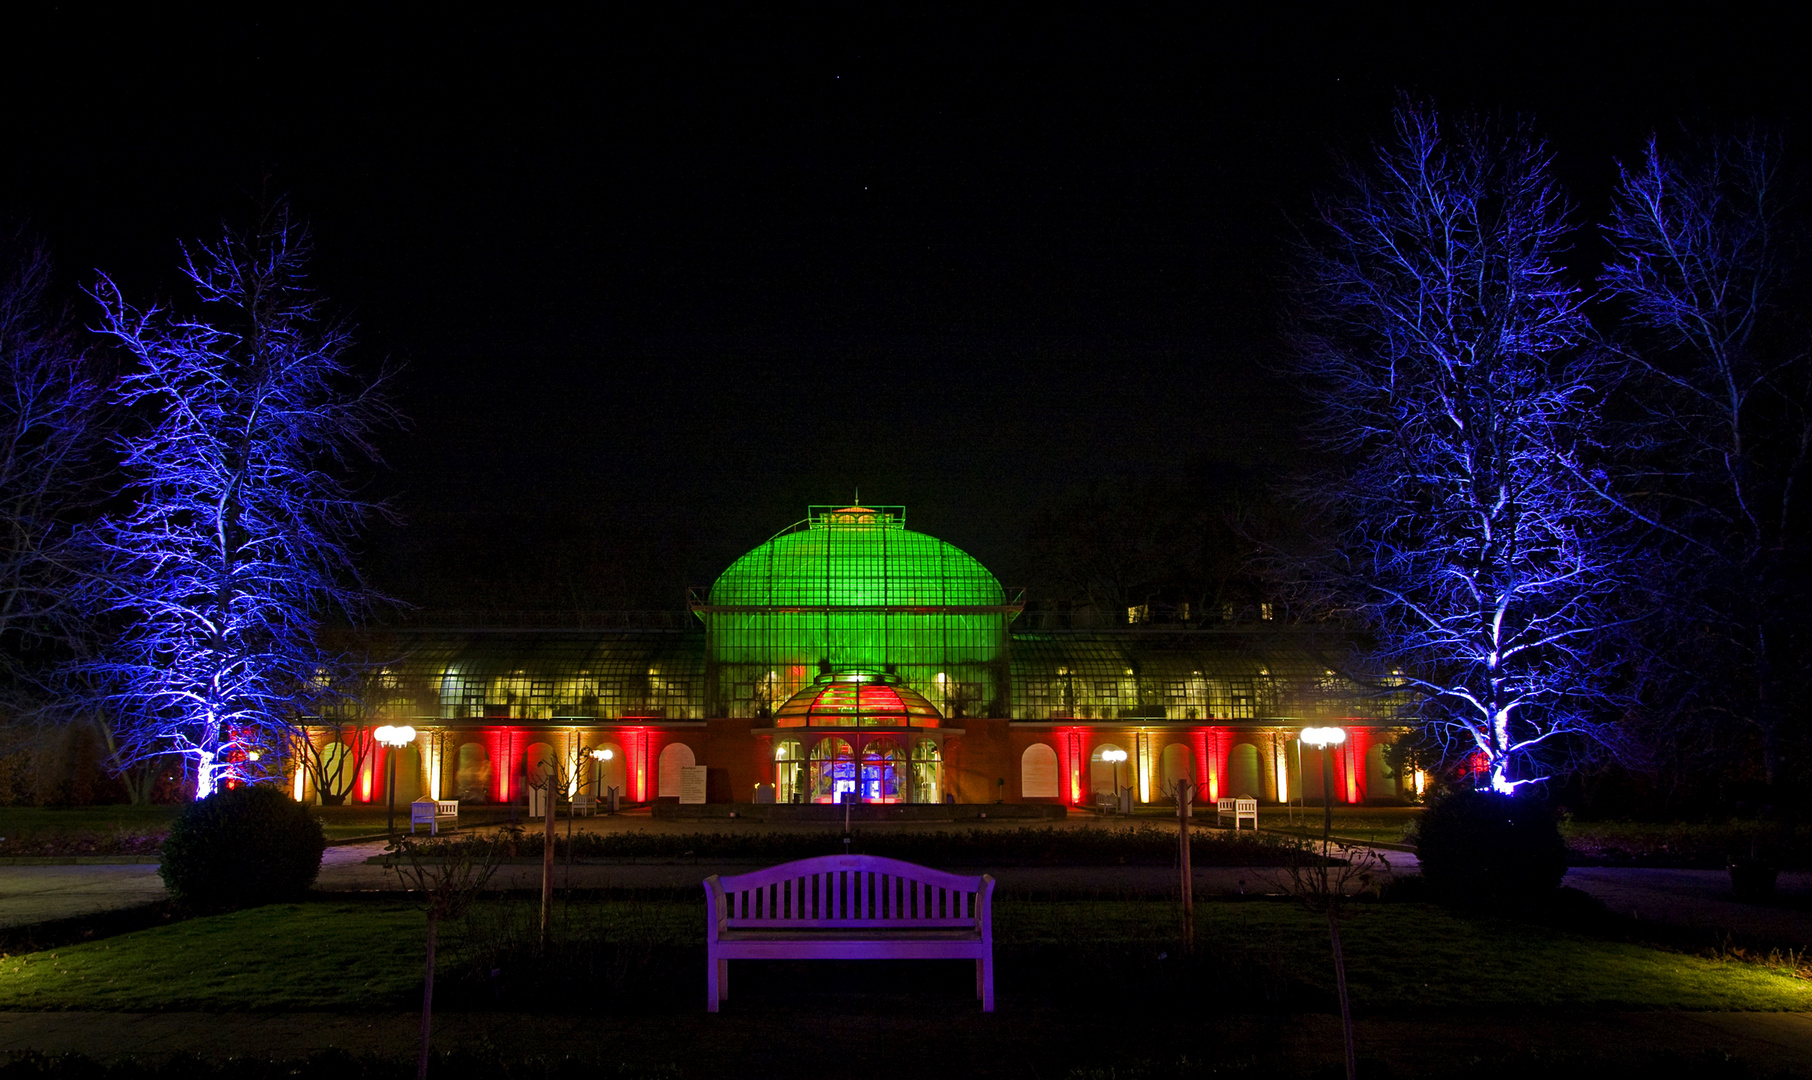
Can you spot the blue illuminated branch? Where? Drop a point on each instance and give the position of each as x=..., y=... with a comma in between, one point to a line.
x=1457, y=387
x=240, y=538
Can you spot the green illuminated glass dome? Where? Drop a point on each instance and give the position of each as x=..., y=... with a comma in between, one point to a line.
x=856, y=555
x=852, y=588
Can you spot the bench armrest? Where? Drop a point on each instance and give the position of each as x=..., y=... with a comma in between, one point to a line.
x=715, y=910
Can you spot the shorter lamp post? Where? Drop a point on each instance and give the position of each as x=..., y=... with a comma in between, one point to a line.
x=395, y=738
x=1321, y=738
x=1116, y=757
x=601, y=755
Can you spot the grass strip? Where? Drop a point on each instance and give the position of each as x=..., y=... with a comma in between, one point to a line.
x=351, y=956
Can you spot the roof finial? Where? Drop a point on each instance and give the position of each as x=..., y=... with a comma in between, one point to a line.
x=858, y=494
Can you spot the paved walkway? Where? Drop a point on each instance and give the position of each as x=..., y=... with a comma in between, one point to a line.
x=1689, y=898
x=34, y=894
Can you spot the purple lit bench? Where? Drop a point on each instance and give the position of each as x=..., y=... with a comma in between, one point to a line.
x=848, y=907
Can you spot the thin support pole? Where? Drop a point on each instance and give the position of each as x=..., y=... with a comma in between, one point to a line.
x=1185, y=793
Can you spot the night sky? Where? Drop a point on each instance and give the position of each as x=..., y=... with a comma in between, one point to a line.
x=658, y=286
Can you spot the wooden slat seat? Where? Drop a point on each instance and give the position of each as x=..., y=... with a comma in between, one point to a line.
x=848, y=907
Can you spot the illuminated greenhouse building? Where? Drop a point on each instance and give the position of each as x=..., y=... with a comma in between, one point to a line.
x=850, y=658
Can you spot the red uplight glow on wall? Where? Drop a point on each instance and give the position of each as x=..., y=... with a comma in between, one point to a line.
x=1356, y=748
x=635, y=768
x=370, y=757
x=1069, y=740
x=501, y=744
x=1208, y=760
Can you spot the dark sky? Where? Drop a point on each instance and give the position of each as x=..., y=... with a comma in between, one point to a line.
x=657, y=286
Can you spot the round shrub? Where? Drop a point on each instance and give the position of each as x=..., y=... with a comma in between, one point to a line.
x=1483, y=846
x=240, y=847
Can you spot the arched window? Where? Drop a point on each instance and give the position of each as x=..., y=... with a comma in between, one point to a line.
x=882, y=769
x=339, y=766
x=674, y=757
x=833, y=771
x=1038, y=772
x=1242, y=773
x=472, y=775
x=789, y=772
x=927, y=772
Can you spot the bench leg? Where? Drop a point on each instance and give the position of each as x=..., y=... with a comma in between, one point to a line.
x=723, y=980
x=712, y=967
x=984, y=970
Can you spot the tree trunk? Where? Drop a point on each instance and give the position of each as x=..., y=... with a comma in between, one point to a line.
x=1346, y=1009
x=421, y=1066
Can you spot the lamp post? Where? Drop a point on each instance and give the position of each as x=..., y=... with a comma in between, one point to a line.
x=1321, y=738
x=601, y=755
x=1116, y=757
x=395, y=738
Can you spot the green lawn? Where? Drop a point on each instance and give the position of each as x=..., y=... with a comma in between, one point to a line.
x=1700, y=843
x=1401, y=958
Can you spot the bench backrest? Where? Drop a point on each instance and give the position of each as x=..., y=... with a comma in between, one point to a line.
x=447, y=807
x=1239, y=806
x=421, y=812
x=853, y=891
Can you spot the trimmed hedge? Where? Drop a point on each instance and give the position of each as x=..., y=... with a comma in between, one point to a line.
x=242, y=847
x=1144, y=844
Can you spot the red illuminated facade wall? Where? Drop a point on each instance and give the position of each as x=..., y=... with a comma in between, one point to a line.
x=982, y=763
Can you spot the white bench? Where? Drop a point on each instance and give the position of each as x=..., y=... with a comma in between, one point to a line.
x=1239, y=810
x=848, y=907
x=584, y=804
x=431, y=812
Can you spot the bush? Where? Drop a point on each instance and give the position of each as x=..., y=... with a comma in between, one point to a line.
x=1482, y=846
x=239, y=848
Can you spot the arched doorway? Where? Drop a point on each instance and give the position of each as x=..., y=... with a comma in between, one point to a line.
x=1242, y=773
x=1378, y=779
x=674, y=757
x=833, y=771
x=608, y=773
x=540, y=773
x=1105, y=777
x=1038, y=773
x=408, y=766
x=1174, y=764
x=883, y=766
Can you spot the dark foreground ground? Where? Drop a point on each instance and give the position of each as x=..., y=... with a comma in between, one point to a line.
x=838, y=1022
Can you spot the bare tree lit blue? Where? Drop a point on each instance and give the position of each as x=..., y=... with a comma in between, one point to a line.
x=1706, y=249
x=240, y=539
x=50, y=435
x=1456, y=396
